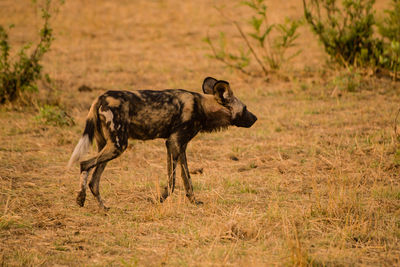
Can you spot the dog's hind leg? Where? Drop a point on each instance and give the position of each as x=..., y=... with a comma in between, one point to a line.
x=80, y=199
x=172, y=158
x=109, y=152
x=94, y=183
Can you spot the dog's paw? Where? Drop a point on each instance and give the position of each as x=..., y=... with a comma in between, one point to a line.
x=163, y=197
x=198, y=202
x=80, y=199
x=195, y=201
x=105, y=208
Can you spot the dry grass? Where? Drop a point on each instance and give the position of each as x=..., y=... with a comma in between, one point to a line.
x=316, y=183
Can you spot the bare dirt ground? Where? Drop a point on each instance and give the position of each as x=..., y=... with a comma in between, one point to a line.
x=314, y=182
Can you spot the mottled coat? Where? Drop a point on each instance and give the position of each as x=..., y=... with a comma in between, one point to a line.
x=175, y=115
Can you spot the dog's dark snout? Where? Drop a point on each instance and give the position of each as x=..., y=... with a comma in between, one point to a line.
x=252, y=119
x=246, y=120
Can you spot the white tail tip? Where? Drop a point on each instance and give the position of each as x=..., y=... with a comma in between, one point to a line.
x=81, y=148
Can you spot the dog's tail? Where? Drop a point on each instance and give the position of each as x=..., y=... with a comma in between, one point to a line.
x=87, y=138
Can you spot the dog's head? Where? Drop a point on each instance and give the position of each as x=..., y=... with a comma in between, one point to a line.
x=223, y=94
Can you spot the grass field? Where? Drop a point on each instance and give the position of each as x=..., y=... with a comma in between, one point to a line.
x=314, y=182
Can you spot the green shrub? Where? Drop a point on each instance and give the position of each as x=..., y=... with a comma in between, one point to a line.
x=390, y=32
x=347, y=31
x=54, y=115
x=269, y=53
x=275, y=50
x=349, y=80
x=21, y=74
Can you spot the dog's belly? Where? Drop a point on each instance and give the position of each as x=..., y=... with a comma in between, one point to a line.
x=146, y=132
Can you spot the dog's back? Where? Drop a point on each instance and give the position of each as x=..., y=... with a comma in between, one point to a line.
x=147, y=114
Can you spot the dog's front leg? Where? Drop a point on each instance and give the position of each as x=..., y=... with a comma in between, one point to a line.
x=172, y=158
x=187, y=181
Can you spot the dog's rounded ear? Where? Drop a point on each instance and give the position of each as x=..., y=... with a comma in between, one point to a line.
x=222, y=92
x=208, y=85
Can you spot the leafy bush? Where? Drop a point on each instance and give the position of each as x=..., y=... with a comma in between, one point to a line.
x=390, y=32
x=275, y=51
x=54, y=115
x=21, y=74
x=269, y=54
x=347, y=31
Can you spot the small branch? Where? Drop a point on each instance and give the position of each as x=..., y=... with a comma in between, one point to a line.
x=250, y=47
x=223, y=59
x=246, y=40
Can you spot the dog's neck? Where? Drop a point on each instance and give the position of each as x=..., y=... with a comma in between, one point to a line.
x=217, y=117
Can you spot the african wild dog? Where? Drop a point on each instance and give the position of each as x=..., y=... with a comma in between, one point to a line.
x=176, y=115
